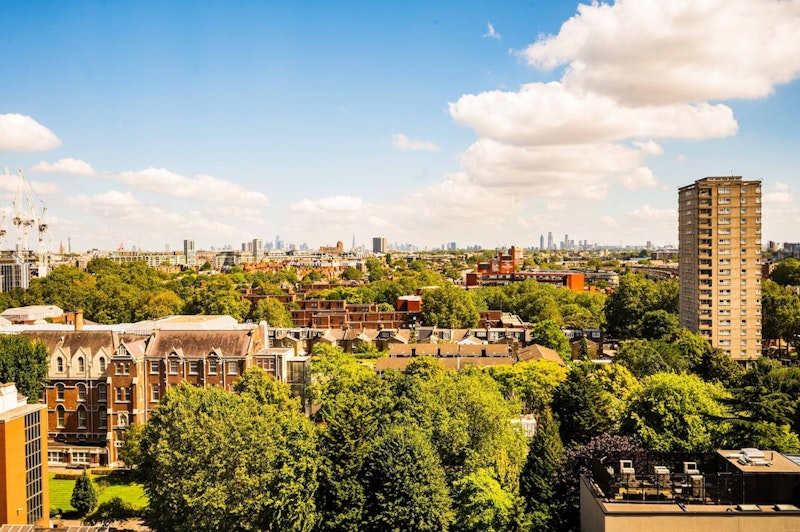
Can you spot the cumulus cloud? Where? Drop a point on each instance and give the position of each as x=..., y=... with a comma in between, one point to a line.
x=64, y=166
x=646, y=212
x=633, y=72
x=640, y=178
x=403, y=143
x=549, y=113
x=491, y=33
x=22, y=134
x=780, y=193
x=655, y=52
x=608, y=221
x=198, y=188
x=548, y=171
x=333, y=204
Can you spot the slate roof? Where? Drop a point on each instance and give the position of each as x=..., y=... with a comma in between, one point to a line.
x=237, y=343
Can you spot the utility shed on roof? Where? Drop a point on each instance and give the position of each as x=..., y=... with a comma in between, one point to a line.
x=761, y=477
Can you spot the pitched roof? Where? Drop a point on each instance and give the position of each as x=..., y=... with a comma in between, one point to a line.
x=73, y=341
x=236, y=343
x=540, y=352
x=455, y=363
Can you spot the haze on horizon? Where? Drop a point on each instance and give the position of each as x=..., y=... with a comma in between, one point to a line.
x=479, y=123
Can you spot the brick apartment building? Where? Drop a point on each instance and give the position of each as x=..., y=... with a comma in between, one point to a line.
x=102, y=381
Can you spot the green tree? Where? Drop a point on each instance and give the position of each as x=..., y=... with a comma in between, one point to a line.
x=114, y=509
x=466, y=418
x=536, y=481
x=353, y=404
x=266, y=389
x=217, y=461
x=657, y=324
x=676, y=413
x=217, y=296
x=532, y=382
x=582, y=407
x=375, y=270
x=781, y=313
x=640, y=357
x=131, y=450
x=352, y=274
x=406, y=484
x=481, y=503
x=549, y=334
x=159, y=305
x=762, y=409
x=273, y=312
x=449, y=307
x=66, y=287
x=635, y=296
x=84, y=494
x=26, y=363
x=786, y=272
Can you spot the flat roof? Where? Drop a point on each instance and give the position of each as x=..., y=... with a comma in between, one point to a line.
x=777, y=462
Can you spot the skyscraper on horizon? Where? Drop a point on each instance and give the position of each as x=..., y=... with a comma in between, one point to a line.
x=719, y=225
x=189, y=253
x=378, y=244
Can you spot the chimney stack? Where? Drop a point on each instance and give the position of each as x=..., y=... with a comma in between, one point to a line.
x=78, y=319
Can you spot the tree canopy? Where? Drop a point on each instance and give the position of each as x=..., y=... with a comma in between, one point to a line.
x=213, y=460
x=26, y=363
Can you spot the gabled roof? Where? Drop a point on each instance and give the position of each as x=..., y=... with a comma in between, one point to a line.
x=197, y=343
x=72, y=341
x=540, y=352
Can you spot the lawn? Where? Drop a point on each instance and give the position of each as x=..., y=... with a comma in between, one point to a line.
x=108, y=487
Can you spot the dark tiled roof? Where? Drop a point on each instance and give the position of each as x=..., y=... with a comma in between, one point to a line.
x=200, y=343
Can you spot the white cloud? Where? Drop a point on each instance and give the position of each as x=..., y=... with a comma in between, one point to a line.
x=491, y=33
x=403, y=143
x=549, y=113
x=548, y=171
x=780, y=194
x=656, y=52
x=646, y=212
x=333, y=204
x=608, y=221
x=201, y=187
x=10, y=183
x=64, y=166
x=22, y=133
x=639, y=178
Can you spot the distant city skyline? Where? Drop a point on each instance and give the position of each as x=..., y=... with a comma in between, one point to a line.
x=478, y=123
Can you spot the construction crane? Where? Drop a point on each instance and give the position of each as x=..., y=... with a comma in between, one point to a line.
x=26, y=218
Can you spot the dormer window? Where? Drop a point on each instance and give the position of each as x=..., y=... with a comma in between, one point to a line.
x=60, y=365
x=102, y=364
x=81, y=365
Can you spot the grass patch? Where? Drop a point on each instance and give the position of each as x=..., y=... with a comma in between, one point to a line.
x=108, y=487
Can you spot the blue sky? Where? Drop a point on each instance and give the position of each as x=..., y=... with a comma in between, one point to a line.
x=490, y=123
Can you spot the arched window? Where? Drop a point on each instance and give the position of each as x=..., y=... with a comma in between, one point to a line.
x=81, y=365
x=102, y=392
x=81, y=392
x=102, y=364
x=60, y=365
x=59, y=392
x=81, y=417
x=60, y=414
